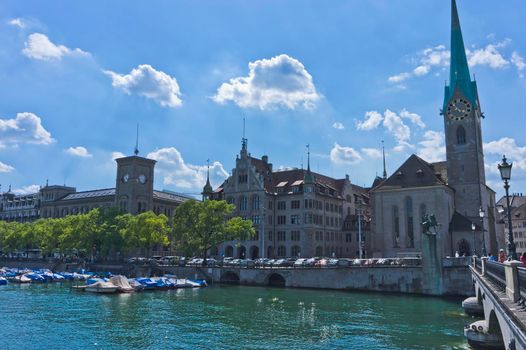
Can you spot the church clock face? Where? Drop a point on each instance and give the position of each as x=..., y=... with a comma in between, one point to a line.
x=458, y=109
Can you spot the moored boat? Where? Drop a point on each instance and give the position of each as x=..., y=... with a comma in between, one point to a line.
x=101, y=287
x=3, y=281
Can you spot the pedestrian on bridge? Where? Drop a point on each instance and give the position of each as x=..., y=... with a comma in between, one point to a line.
x=523, y=259
x=502, y=256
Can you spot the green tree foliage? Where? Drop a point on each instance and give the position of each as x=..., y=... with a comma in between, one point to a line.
x=201, y=226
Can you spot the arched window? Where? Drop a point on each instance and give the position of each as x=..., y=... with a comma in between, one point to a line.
x=461, y=135
x=409, y=222
x=255, y=202
x=396, y=227
x=463, y=248
x=242, y=203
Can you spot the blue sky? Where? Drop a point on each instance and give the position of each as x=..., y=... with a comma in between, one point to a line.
x=76, y=78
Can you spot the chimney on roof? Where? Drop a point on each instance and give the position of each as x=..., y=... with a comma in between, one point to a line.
x=265, y=159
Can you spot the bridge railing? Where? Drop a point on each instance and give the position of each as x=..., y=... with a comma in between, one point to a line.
x=496, y=272
x=522, y=283
x=477, y=263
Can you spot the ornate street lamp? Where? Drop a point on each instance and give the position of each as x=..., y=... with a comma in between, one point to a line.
x=481, y=214
x=505, y=174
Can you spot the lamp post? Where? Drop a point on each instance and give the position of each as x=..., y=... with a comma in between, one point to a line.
x=481, y=214
x=474, y=239
x=505, y=174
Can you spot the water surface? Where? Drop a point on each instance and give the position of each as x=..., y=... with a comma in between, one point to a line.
x=226, y=317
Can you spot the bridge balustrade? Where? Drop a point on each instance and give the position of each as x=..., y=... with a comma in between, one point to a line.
x=522, y=283
x=496, y=272
x=478, y=264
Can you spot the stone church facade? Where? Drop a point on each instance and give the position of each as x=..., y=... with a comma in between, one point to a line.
x=454, y=191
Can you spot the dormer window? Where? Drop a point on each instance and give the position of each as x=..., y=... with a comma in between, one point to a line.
x=419, y=173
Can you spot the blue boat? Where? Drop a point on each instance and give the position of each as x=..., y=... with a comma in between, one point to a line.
x=3, y=281
x=35, y=277
x=147, y=283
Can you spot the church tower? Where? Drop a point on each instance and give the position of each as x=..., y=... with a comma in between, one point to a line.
x=462, y=120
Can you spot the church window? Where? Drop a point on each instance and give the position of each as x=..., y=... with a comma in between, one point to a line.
x=461, y=135
x=423, y=210
x=409, y=221
x=255, y=202
x=396, y=227
x=243, y=178
x=243, y=203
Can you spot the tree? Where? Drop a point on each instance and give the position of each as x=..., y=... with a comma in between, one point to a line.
x=145, y=231
x=201, y=226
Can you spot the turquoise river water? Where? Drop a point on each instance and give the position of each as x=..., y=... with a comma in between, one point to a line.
x=226, y=317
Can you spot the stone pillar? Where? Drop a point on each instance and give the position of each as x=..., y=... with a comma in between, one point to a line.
x=484, y=260
x=512, y=279
x=431, y=266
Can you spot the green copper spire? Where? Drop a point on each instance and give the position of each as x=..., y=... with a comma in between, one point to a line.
x=309, y=177
x=459, y=77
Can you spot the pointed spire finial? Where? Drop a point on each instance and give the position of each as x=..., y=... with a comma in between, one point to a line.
x=136, y=150
x=383, y=156
x=47, y=182
x=308, y=158
x=208, y=170
x=244, y=140
x=9, y=190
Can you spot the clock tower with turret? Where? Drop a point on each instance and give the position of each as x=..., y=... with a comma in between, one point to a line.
x=462, y=119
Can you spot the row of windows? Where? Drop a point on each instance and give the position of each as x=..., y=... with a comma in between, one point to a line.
x=329, y=236
x=282, y=236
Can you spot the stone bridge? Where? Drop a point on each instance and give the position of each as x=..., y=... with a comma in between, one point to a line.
x=500, y=291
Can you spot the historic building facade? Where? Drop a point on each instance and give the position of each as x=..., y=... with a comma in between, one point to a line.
x=296, y=213
x=133, y=193
x=454, y=191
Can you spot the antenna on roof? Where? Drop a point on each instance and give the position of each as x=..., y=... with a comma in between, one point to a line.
x=136, y=150
x=383, y=155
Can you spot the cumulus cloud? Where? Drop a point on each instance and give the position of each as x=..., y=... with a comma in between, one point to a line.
x=488, y=56
x=518, y=61
x=394, y=124
x=344, y=155
x=413, y=117
x=371, y=121
x=150, y=83
x=115, y=155
x=39, y=47
x=79, y=151
x=27, y=189
x=438, y=57
x=372, y=152
x=175, y=171
x=24, y=128
x=338, y=125
x=281, y=81
x=509, y=147
x=5, y=168
x=18, y=22
x=432, y=147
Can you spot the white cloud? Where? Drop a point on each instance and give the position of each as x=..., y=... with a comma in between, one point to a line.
x=18, y=22
x=25, y=128
x=432, y=147
x=338, y=125
x=27, y=189
x=399, y=77
x=371, y=121
x=281, y=81
x=39, y=47
x=395, y=125
x=518, y=61
x=79, y=151
x=115, y=155
x=372, y=152
x=438, y=57
x=413, y=117
x=150, y=83
x=509, y=147
x=174, y=171
x=5, y=168
x=488, y=56
x=344, y=155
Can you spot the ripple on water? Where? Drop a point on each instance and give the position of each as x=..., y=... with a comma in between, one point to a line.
x=232, y=317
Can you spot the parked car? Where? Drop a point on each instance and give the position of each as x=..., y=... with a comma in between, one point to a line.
x=344, y=262
x=248, y=263
x=311, y=262
x=332, y=262
x=299, y=262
